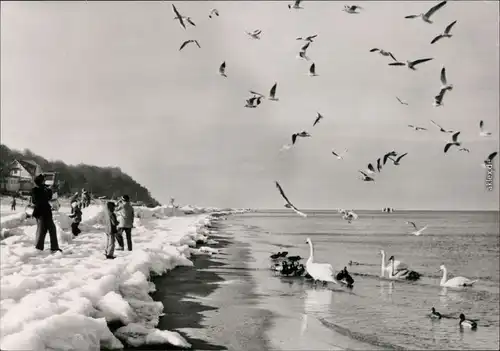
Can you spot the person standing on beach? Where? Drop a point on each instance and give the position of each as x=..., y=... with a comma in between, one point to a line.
x=110, y=222
x=76, y=214
x=125, y=223
x=13, y=203
x=42, y=212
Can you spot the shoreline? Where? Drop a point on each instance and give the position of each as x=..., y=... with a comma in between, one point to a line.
x=206, y=306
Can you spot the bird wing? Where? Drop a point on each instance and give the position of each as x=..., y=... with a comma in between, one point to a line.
x=272, y=92
x=288, y=201
x=222, y=67
x=411, y=126
x=392, y=56
x=386, y=156
x=399, y=100
x=333, y=152
x=370, y=167
x=190, y=22
x=304, y=48
x=294, y=138
x=198, y=44
x=379, y=166
x=422, y=229
x=312, y=68
x=413, y=224
x=312, y=36
x=374, y=49
x=257, y=32
x=447, y=146
x=481, y=124
x=419, y=61
x=437, y=125
x=363, y=173
x=439, y=97
x=400, y=157
x=411, y=16
x=455, y=136
x=184, y=44
x=397, y=64
x=297, y=3
x=178, y=15
x=434, y=9
x=255, y=93
x=443, y=75
x=436, y=39
x=448, y=28
x=492, y=156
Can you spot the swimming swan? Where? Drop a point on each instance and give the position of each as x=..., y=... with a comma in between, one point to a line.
x=456, y=282
x=319, y=271
x=398, y=265
x=403, y=273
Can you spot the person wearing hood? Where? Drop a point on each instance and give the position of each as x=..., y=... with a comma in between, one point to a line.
x=125, y=223
x=42, y=212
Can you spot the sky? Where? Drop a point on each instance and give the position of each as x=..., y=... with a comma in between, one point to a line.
x=104, y=83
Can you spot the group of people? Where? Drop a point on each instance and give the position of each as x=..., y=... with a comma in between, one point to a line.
x=119, y=219
x=83, y=198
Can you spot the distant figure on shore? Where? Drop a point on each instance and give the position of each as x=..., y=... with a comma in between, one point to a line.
x=74, y=198
x=85, y=198
x=40, y=197
x=13, y=203
x=111, y=229
x=125, y=214
x=76, y=214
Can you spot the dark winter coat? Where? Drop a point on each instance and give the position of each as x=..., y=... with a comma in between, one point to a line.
x=40, y=197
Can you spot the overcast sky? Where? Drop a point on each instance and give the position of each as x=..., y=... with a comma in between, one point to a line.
x=104, y=83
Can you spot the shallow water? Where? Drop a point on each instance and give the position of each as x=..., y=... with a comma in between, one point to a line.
x=378, y=313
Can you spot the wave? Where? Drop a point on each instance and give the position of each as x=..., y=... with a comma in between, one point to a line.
x=366, y=338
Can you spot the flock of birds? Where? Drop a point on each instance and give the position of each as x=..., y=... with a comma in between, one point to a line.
x=324, y=272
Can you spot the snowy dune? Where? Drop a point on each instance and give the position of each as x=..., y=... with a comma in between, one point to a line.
x=63, y=301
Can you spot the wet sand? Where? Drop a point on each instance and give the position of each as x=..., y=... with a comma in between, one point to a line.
x=214, y=305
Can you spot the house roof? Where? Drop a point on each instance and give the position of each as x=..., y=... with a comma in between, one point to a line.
x=30, y=166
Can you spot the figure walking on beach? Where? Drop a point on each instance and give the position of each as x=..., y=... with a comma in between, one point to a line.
x=76, y=214
x=42, y=211
x=13, y=203
x=125, y=222
x=111, y=229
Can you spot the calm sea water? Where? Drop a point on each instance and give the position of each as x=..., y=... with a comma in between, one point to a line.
x=379, y=313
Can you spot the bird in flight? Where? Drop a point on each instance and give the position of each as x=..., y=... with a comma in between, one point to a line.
x=483, y=132
x=255, y=34
x=365, y=177
x=402, y=102
x=222, y=69
x=351, y=8
x=309, y=39
x=189, y=41
x=179, y=17
x=272, y=93
x=396, y=161
x=417, y=231
x=318, y=118
x=489, y=159
x=384, y=53
x=213, y=12
x=312, y=70
x=438, y=99
x=288, y=204
x=441, y=129
x=302, y=134
x=410, y=64
x=296, y=5
x=416, y=128
x=339, y=156
x=454, y=142
x=426, y=16
x=445, y=34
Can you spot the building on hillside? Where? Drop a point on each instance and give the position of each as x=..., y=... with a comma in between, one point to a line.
x=21, y=176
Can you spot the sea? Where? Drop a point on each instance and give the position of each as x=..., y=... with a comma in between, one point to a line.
x=377, y=313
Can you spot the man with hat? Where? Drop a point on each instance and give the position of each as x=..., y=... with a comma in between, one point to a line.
x=125, y=214
x=42, y=212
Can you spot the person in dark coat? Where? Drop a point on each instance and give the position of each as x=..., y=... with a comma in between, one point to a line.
x=13, y=203
x=76, y=214
x=111, y=223
x=42, y=212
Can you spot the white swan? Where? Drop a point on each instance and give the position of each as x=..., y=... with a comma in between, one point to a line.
x=398, y=265
x=403, y=273
x=456, y=282
x=319, y=271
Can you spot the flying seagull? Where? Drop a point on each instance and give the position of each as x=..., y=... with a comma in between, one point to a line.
x=454, y=141
x=255, y=34
x=222, y=69
x=379, y=166
x=178, y=16
x=339, y=156
x=370, y=169
x=489, y=159
x=302, y=134
x=396, y=161
x=417, y=231
x=416, y=128
x=250, y=102
x=366, y=178
x=288, y=204
x=309, y=39
x=444, y=81
x=392, y=153
x=483, y=132
x=312, y=70
x=402, y=102
x=296, y=5
x=464, y=149
x=256, y=93
x=351, y=8
x=189, y=41
x=318, y=118
x=445, y=34
x=438, y=99
x=411, y=64
x=188, y=19
x=303, y=50
x=426, y=16
x=441, y=129
x=272, y=93
x=213, y=12
x=384, y=53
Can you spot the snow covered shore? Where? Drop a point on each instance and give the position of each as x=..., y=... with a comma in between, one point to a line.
x=63, y=301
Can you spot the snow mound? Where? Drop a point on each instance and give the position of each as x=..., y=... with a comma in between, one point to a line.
x=63, y=301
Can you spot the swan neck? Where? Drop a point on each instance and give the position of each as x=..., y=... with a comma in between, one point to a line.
x=311, y=252
x=382, y=266
x=445, y=274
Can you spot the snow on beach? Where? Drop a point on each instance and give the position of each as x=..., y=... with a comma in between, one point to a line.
x=63, y=301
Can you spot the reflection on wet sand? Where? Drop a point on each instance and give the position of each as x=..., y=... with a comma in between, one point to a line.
x=386, y=289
